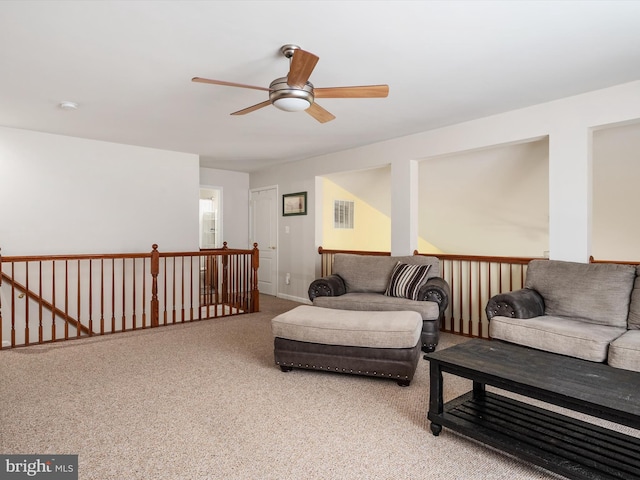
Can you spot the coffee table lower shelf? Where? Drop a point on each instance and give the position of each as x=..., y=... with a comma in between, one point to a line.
x=558, y=443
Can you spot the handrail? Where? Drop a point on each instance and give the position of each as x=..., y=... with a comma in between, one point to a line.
x=482, y=258
x=357, y=252
x=97, y=294
x=23, y=289
x=619, y=262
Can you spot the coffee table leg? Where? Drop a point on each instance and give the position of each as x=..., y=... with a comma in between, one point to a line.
x=478, y=389
x=436, y=404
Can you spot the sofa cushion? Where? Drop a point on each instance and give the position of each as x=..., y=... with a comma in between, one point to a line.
x=357, y=329
x=624, y=352
x=371, y=273
x=566, y=336
x=634, y=307
x=376, y=302
x=406, y=280
x=595, y=292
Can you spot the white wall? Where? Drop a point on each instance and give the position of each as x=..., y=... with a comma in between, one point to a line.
x=65, y=195
x=235, y=204
x=569, y=225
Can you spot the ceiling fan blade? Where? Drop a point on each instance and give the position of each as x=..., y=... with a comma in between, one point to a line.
x=364, y=91
x=319, y=113
x=244, y=111
x=302, y=64
x=226, y=84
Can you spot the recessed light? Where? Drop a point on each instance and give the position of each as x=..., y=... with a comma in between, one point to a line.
x=68, y=105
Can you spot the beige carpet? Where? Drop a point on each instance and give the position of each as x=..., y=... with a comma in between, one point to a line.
x=205, y=401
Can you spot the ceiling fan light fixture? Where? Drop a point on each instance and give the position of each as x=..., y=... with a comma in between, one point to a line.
x=288, y=98
x=292, y=104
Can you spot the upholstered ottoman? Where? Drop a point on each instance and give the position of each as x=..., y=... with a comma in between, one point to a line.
x=379, y=344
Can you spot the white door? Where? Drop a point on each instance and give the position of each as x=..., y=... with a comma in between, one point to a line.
x=264, y=232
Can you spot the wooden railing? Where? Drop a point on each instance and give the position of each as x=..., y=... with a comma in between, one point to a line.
x=473, y=281
x=52, y=298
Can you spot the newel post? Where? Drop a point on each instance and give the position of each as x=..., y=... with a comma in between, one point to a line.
x=155, y=270
x=225, y=275
x=255, y=293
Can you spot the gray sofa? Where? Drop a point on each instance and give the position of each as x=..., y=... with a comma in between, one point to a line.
x=589, y=311
x=359, y=282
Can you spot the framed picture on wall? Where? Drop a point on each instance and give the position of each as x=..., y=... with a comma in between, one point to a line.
x=294, y=204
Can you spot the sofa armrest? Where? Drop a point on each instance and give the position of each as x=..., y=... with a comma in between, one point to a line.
x=525, y=303
x=436, y=290
x=331, y=286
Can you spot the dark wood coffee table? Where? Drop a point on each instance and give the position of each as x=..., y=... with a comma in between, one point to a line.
x=559, y=443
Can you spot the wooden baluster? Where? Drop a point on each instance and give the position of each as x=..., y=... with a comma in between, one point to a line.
x=241, y=260
x=213, y=292
x=113, y=295
x=53, y=301
x=133, y=296
x=478, y=300
x=216, y=280
x=246, y=294
x=460, y=299
x=164, y=309
x=124, y=296
x=155, y=269
x=90, y=297
x=66, y=299
x=40, y=310
x=173, y=302
x=453, y=298
x=144, y=293
x=13, y=306
x=182, y=289
x=235, y=282
x=255, y=293
x=78, y=329
x=469, y=296
x=191, y=258
x=481, y=303
x=510, y=277
x=102, y=296
x=27, y=333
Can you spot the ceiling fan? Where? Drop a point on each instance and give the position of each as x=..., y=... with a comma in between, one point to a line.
x=294, y=93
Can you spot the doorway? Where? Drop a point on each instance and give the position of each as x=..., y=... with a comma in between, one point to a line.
x=263, y=208
x=210, y=217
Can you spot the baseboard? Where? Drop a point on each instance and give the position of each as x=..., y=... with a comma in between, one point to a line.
x=294, y=299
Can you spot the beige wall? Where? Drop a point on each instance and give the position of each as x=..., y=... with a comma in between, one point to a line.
x=616, y=192
x=492, y=201
x=372, y=228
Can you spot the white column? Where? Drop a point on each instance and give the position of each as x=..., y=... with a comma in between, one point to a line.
x=570, y=193
x=404, y=207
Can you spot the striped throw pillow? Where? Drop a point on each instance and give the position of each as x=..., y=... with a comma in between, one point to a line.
x=406, y=280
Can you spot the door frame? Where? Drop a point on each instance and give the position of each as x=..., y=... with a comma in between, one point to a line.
x=220, y=225
x=251, y=233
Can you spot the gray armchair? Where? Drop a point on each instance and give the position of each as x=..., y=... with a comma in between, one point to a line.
x=359, y=282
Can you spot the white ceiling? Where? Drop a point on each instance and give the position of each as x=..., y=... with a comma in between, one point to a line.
x=129, y=66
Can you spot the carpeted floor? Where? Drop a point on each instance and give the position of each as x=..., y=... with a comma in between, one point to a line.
x=205, y=401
